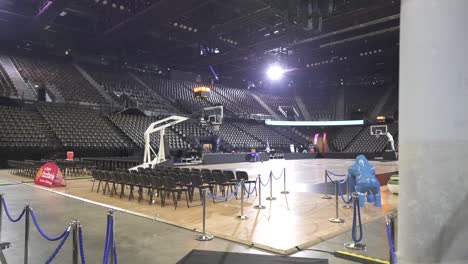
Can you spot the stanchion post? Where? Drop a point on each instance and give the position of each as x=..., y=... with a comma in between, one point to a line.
x=271, y=198
x=111, y=251
x=204, y=236
x=347, y=206
x=326, y=196
x=26, y=234
x=390, y=221
x=284, y=182
x=1, y=215
x=75, y=241
x=336, y=219
x=355, y=245
x=259, y=206
x=242, y=216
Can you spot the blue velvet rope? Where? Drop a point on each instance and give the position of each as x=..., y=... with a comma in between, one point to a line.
x=227, y=196
x=261, y=182
x=336, y=175
x=358, y=210
x=56, y=251
x=115, y=253
x=279, y=176
x=106, y=244
x=80, y=239
x=343, y=181
x=342, y=196
x=44, y=235
x=390, y=244
x=253, y=190
x=8, y=213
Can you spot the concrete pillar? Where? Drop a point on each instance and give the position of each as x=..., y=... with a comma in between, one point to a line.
x=433, y=207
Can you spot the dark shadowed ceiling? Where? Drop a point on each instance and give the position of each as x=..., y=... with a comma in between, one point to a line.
x=233, y=36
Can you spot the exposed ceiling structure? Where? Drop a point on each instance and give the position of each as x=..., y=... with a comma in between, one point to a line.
x=233, y=36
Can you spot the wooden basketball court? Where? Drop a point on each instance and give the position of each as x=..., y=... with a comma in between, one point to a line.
x=298, y=219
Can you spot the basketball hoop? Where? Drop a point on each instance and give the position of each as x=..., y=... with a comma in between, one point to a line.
x=377, y=136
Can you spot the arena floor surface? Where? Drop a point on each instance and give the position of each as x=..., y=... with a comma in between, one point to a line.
x=298, y=219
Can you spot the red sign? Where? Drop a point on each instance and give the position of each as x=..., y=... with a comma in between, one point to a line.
x=49, y=174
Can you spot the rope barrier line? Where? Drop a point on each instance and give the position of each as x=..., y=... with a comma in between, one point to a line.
x=336, y=175
x=115, y=254
x=253, y=190
x=105, y=257
x=358, y=210
x=390, y=244
x=282, y=171
x=261, y=182
x=8, y=213
x=44, y=235
x=337, y=180
x=80, y=240
x=227, y=196
x=56, y=251
x=342, y=196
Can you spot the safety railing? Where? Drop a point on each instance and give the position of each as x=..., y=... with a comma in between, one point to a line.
x=244, y=189
x=74, y=227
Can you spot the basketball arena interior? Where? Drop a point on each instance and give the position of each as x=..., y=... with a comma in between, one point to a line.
x=233, y=131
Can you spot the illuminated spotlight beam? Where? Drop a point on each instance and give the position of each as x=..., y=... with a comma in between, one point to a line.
x=275, y=72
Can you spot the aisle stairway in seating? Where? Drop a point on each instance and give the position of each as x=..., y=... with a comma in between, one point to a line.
x=302, y=108
x=23, y=89
x=166, y=103
x=101, y=91
x=262, y=103
x=340, y=103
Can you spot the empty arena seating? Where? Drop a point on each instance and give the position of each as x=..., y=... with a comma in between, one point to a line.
x=237, y=138
x=190, y=128
x=240, y=99
x=234, y=100
x=178, y=92
x=364, y=142
x=80, y=128
x=117, y=81
x=135, y=126
x=289, y=133
x=22, y=128
x=83, y=128
x=6, y=86
x=263, y=133
x=274, y=101
x=343, y=136
x=322, y=108
x=56, y=71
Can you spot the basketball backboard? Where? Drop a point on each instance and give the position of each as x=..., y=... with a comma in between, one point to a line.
x=378, y=130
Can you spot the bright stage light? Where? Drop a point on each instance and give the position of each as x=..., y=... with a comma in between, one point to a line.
x=275, y=72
